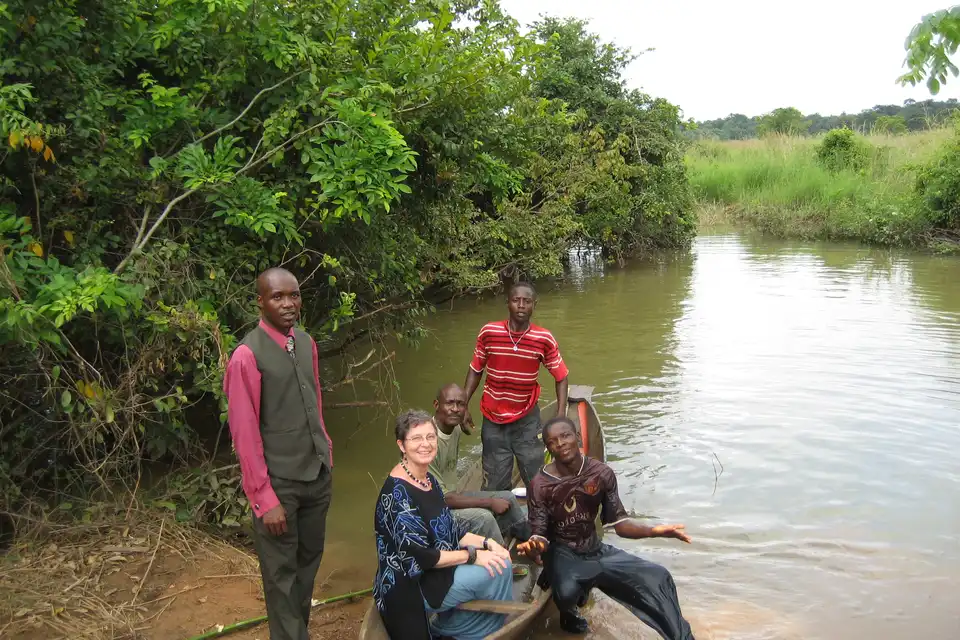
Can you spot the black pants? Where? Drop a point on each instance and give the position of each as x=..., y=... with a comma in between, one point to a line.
x=501, y=442
x=289, y=563
x=645, y=588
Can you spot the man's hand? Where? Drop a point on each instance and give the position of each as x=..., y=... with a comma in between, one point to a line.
x=467, y=425
x=499, y=506
x=532, y=548
x=671, y=531
x=275, y=521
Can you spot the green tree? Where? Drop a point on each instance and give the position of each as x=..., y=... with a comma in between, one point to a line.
x=894, y=125
x=783, y=121
x=632, y=187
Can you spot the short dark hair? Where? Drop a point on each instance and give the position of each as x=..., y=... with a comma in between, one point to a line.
x=408, y=420
x=552, y=422
x=267, y=274
x=522, y=283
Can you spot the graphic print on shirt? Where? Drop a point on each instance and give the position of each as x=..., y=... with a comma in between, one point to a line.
x=401, y=525
x=564, y=509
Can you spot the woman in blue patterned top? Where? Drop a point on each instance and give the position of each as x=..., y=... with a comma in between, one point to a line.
x=426, y=563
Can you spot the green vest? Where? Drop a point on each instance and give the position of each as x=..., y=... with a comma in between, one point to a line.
x=294, y=445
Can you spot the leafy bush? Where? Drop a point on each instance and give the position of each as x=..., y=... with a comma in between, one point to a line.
x=938, y=186
x=842, y=149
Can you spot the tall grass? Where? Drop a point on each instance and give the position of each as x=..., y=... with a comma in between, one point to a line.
x=778, y=185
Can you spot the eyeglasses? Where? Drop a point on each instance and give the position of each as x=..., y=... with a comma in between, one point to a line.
x=418, y=440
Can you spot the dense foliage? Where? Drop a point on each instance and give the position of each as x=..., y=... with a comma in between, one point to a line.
x=911, y=116
x=158, y=155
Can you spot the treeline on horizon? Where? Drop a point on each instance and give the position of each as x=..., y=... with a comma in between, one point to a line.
x=912, y=115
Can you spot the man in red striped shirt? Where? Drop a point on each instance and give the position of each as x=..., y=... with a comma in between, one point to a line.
x=512, y=351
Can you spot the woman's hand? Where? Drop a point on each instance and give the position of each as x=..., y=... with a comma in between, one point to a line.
x=497, y=548
x=491, y=561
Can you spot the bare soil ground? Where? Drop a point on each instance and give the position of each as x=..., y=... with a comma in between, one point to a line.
x=151, y=579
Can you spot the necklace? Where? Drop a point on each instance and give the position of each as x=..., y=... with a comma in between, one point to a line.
x=423, y=483
x=516, y=343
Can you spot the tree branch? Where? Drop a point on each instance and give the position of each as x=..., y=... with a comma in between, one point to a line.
x=186, y=194
x=36, y=202
x=163, y=216
x=350, y=379
x=350, y=405
x=249, y=106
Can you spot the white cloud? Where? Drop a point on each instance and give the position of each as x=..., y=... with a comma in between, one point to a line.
x=746, y=56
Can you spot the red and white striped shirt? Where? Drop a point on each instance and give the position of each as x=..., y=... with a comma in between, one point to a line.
x=512, y=361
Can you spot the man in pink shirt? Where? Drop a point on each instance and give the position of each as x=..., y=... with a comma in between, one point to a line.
x=286, y=457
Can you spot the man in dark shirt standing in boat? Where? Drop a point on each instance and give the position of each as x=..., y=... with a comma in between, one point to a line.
x=286, y=457
x=512, y=351
x=563, y=504
x=491, y=514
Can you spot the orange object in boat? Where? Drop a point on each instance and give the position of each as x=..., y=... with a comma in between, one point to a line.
x=584, y=427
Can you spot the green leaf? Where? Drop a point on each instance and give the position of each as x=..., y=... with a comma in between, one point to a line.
x=66, y=398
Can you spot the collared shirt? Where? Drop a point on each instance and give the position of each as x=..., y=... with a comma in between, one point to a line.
x=563, y=510
x=241, y=384
x=512, y=361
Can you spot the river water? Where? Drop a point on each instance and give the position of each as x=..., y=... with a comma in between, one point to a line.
x=797, y=406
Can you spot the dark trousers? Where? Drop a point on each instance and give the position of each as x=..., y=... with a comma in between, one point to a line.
x=645, y=588
x=289, y=563
x=502, y=442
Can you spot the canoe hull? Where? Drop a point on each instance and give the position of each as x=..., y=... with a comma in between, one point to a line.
x=581, y=410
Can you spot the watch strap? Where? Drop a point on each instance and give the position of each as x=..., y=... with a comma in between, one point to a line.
x=471, y=554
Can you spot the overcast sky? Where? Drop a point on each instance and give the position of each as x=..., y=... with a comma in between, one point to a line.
x=718, y=57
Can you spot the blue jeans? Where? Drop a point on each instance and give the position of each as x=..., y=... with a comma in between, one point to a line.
x=484, y=523
x=471, y=582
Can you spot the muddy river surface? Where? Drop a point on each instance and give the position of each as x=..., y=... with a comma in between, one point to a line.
x=797, y=406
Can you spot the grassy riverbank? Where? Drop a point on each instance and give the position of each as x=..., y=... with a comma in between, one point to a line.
x=778, y=185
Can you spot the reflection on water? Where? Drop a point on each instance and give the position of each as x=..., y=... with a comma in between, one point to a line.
x=798, y=407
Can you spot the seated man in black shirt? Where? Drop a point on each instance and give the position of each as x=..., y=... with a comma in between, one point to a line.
x=563, y=503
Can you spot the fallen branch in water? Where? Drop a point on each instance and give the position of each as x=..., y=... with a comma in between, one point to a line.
x=349, y=405
x=351, y=378
x=716, y=476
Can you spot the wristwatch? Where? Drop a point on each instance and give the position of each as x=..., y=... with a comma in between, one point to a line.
x=486, y=544
x=471, y=554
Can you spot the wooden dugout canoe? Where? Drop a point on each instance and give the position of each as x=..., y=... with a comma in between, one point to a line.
x=529, y=599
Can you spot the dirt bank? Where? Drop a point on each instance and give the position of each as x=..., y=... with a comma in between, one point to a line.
x=151, y=579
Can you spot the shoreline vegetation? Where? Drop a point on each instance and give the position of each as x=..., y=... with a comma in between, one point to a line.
x=880, y=189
